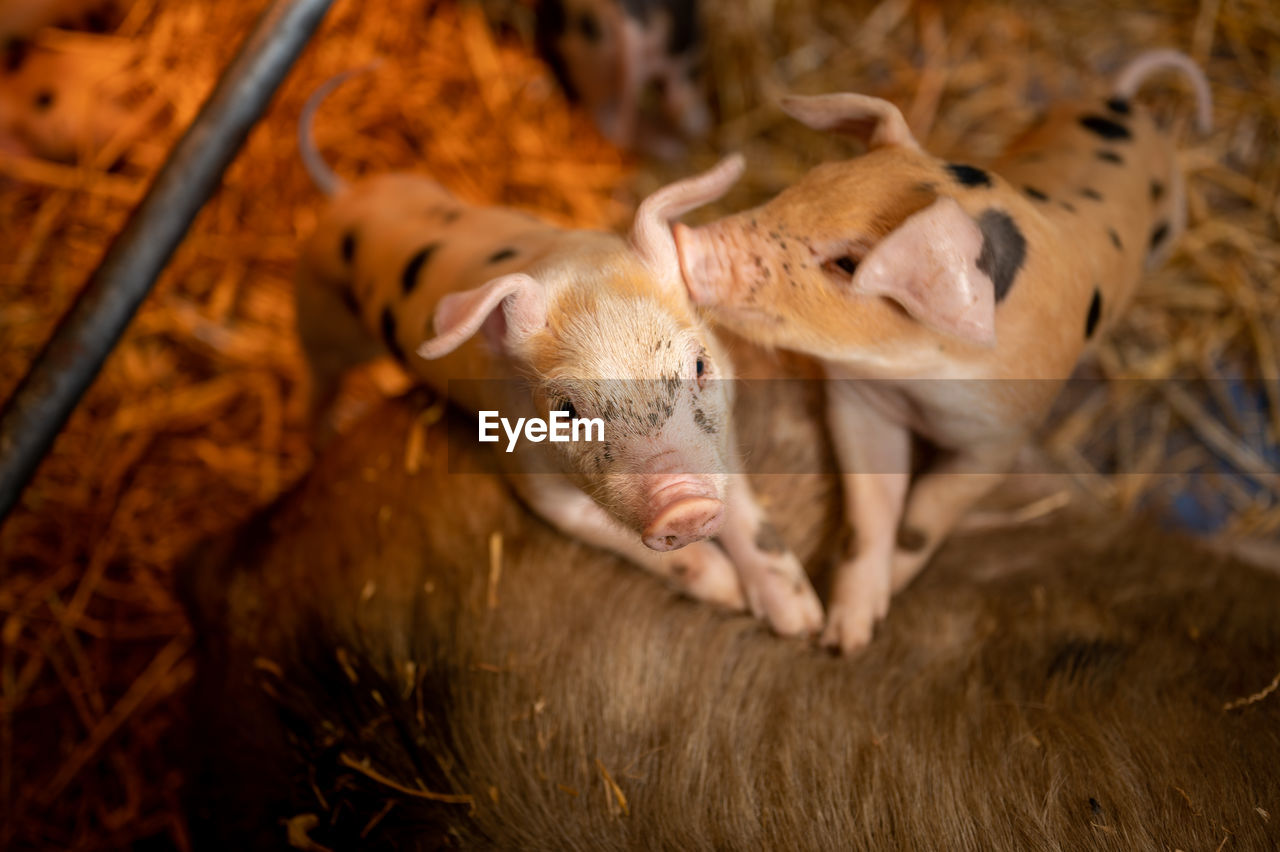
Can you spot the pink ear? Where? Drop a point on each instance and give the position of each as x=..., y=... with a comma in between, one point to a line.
x=876, y=122
x=929, y=266
x=460, y=315
x=651, y=233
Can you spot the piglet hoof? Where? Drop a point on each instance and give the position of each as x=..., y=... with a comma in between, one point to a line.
x=854, y=613
x=703, y=572
x=782, y=595
x=848, y=630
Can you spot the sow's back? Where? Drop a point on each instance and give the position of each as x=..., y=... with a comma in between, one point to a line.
x=396, y=657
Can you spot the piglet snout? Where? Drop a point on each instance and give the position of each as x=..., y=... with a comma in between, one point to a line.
x=685, y=511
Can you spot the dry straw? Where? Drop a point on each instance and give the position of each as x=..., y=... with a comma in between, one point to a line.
x=197, y=416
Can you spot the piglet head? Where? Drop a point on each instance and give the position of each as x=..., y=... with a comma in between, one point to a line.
x=635, y=369
x=631, y=355
x=857, y=259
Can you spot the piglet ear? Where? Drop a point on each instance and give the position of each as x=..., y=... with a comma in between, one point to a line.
x=876, y=122
x=929, y=266
x=460, y=315
x=651, y=234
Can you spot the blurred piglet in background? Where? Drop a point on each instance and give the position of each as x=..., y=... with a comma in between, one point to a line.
x=60, y=105
x=633, y=64
x=62, y=96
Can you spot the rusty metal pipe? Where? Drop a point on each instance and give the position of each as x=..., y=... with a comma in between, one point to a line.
x=64, y=369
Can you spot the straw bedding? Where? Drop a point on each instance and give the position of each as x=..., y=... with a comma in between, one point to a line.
x=197, y=417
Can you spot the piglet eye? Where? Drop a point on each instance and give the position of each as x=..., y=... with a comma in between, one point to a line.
x=846, y=263
x=566, y=405
x=700, y=367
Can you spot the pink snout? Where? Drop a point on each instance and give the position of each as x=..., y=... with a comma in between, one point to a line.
x=685, y=518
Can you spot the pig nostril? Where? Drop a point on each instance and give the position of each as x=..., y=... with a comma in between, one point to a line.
x=669, y=540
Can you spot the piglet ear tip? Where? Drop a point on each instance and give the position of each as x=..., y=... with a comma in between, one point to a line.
x=798, y=106
x=431, y=350
x=790, y=104
x=730, y=167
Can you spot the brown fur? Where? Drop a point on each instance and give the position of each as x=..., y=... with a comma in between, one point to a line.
x=1058, y=686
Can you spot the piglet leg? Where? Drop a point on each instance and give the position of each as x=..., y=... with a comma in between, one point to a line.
x=874, y=453
x=700, y=570
x=775, y=583
x=940, y=497
x=333, y=340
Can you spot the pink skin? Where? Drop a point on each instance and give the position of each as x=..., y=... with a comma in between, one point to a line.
x=888, y=267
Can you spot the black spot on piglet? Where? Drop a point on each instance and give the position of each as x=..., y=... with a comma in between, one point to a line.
x=15, y=53
x=1159, y=234
x=589, y=27
x=911, y=539
x=704, y=423
x=1104, y=127
x=1157, y=190
x=1032, y=192
x=1004, y=248
x=769, y=540
x=969, y=175
x=1095, y=314
x=1118, y=105
x=413, y=269
x=1115, y=238
x=389, y=335
x=348, y=246
x=1110, y=157
x=44, y=99
x=349, y=299
x=501, y=255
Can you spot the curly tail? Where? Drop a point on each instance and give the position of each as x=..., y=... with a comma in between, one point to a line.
x=1131, y=78
x=321, y=175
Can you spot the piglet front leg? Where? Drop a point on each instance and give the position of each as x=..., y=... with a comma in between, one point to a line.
x=874, y=453
x=775, y=583
x=700, y=570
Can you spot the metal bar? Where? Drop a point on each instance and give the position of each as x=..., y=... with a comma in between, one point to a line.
x=67, y=365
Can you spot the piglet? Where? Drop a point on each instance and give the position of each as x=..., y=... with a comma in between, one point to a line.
x=529, y=319
x=610, y=53
x=897, y=266
x=53, y=104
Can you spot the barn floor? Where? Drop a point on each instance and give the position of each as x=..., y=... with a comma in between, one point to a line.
x=198, y=417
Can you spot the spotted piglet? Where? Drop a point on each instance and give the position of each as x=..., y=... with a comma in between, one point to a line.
x=598, y=328
x=933, y=290
x=610, y=54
